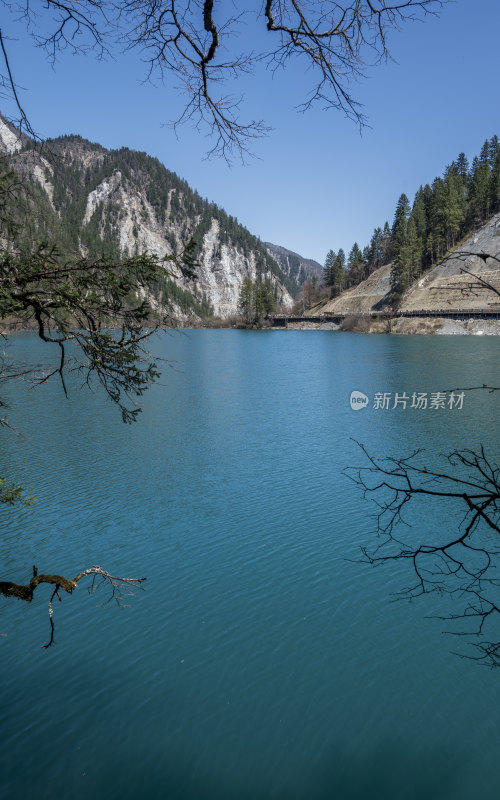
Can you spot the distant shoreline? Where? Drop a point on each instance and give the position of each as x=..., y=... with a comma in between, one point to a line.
x=436, y=326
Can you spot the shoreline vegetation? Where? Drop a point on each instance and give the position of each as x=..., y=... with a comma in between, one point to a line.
x=351, y=324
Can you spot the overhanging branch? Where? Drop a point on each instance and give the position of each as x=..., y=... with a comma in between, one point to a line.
x=120, y=588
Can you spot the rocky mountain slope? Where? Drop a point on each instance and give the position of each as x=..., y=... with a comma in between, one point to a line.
x=448, y=286
x=122, y=202
x=297, y=268
x=364, y=297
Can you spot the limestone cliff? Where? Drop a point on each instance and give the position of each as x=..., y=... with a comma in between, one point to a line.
x=123, y=202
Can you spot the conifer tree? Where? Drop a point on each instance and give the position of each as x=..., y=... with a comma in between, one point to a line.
x=480, y=188
x=256, y=298
x=463, y=167
x=245, y=302
x=399, y=240
x=419, y=214
x=495, y=185
x=484, y=155
x=409, y=259
x=452, y=209
x=338, y=279
x=494, y=150
x=328, y=268
x=436, y=231
x=386, y=243
x=375, y=254
x=355, y=257
x=264, y=298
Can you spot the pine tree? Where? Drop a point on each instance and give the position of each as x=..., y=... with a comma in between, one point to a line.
x=338, y=273
x=436, y=238
x=463, y=167
x=480, y=188
x=328, y=268
x=494, y=150
x=411, y=256
x=419, y=214
x=495, y=185
x=484, y=155
x=246, y=298
x=375, y=254
x=401, y=216
x=256, y=299
x=386, y=243
x=399, y=241
x=355, y=257
x=453, y=208
x=263, y=298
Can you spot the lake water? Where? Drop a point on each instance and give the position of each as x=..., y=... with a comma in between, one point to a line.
x=263, y=661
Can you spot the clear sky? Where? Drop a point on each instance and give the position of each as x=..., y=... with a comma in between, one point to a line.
x=316, y=183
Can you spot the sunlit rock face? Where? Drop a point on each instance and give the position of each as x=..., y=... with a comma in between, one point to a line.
x=129, y=203
x=10, y=139
x=468, y=278
x=221, y=266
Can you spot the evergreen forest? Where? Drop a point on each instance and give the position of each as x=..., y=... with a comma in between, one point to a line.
x=441, y=216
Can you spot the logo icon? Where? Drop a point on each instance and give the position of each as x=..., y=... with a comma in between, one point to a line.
x=358, y=400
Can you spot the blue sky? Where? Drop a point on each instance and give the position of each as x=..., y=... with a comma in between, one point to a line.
x=316, y=183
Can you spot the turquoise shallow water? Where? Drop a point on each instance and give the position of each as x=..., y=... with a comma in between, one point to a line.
x=263, y=661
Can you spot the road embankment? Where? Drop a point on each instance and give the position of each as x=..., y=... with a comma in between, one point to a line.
x=405, y=325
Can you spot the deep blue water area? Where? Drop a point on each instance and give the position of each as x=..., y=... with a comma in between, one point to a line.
x=263, y=660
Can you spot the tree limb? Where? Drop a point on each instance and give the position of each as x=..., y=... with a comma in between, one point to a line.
x=460, y=560
x=194, y=42
x=120, y=587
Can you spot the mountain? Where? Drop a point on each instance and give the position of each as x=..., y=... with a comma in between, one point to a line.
x=95, y=201
x=469, y=277
x=364, y=297
x=442, y=251
x=297, y=268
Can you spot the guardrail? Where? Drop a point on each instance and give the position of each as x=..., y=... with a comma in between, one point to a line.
x=458, y=313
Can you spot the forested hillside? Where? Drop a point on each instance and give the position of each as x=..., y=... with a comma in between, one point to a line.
x=442, y=214
x=122, y=202
x=297, y=268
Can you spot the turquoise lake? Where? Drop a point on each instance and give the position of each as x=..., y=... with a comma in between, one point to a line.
x=263, y=661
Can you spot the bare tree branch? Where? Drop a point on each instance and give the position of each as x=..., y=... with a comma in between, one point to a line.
x=120, y=588
x=460, y=560
x=23, y=121
x=194, y=42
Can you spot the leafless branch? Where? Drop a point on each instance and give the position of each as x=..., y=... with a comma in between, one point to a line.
x=479, y=283
x=194, y=42
x=120, y=588
x=459, y=559
x=23, y=121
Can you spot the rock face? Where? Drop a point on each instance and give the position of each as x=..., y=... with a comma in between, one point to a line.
x=11, y=140
x=363, y=297
x=122, y=202
x=297, y=268
x=448, y=286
